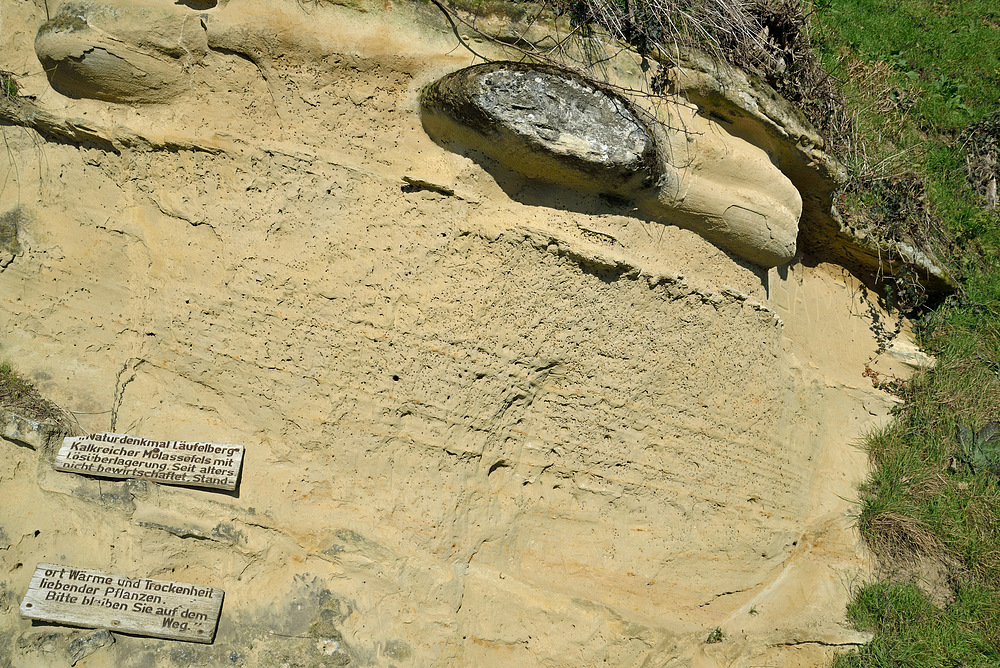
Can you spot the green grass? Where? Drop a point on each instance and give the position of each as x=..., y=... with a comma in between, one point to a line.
x=943, y=53
x=918, y=76
x=919, y=499
x=922, y=503
x=912, y=631
x=8, y=85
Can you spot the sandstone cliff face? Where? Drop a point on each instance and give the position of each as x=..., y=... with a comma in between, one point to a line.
x=487, y=422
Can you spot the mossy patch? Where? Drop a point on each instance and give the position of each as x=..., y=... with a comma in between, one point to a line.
x=10, y=223
x=63, y=23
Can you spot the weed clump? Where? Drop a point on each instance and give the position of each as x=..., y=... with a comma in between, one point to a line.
x=981, y=144
x=10, y=222
x=980, y=451
x=70, y=19
x=9, y=88
x=20, y=396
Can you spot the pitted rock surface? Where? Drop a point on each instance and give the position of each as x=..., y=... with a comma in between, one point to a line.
x=484, y=425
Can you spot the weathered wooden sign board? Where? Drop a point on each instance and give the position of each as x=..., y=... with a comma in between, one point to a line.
x=192, y=463
x=99, y=600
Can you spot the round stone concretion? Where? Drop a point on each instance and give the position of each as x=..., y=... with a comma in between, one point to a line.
x=566, y=116
x=545, y=123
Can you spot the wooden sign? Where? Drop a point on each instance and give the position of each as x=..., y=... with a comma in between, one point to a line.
x=99, y=600
x=173, y=462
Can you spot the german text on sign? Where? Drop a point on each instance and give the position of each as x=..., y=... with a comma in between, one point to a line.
x=192, y=463
x=99, y=600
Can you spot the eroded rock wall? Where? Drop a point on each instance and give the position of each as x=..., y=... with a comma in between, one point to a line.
x=480, y=429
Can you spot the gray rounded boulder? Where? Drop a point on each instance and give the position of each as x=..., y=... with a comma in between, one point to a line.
x=543, y=122
x=556, y=127
x=119, y=52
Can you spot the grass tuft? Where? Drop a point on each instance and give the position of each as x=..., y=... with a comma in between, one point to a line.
x=20, y=396
x=9, y=87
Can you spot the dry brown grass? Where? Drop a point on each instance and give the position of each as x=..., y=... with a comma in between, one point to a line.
x=21, y=397
x=893, y=537
x=769, y=38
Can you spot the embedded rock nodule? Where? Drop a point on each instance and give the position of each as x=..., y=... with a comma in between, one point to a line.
x=553, y=126
x=118, y=54
x=544, y=122
x=750, y=109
